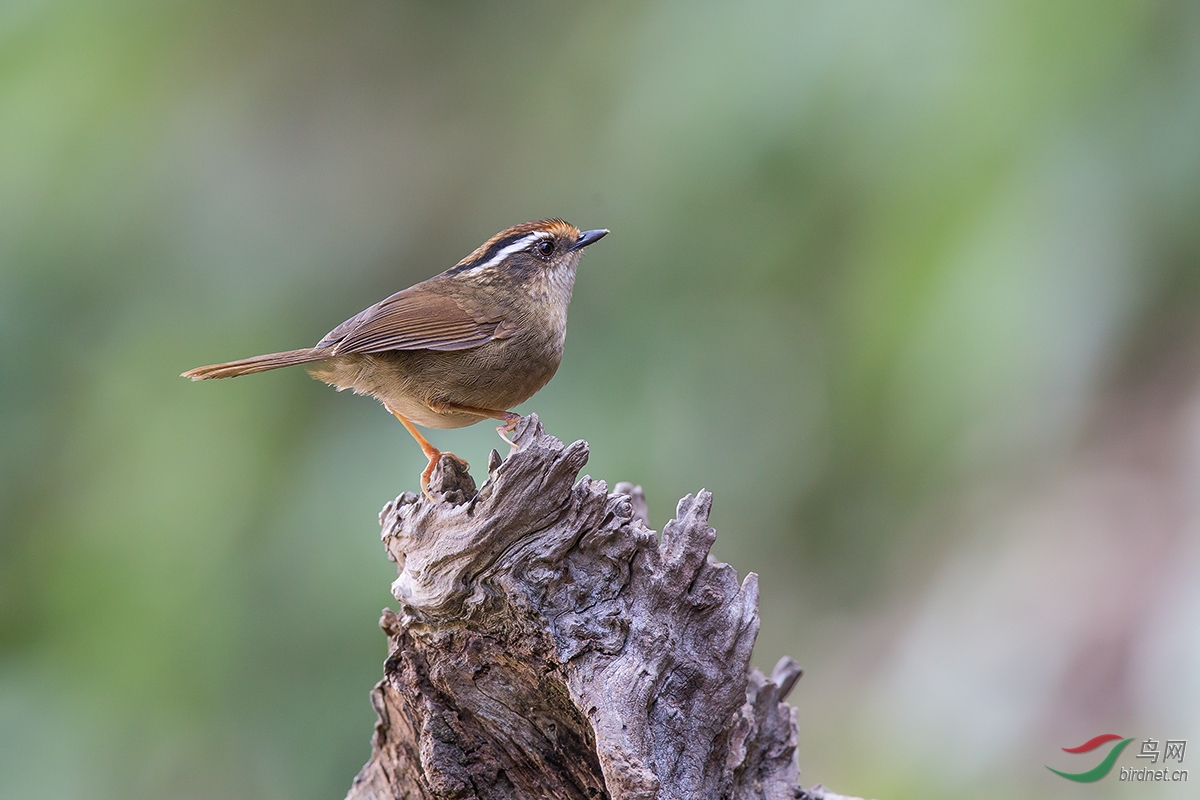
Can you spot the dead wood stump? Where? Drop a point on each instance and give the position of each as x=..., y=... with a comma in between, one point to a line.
x=550, y=645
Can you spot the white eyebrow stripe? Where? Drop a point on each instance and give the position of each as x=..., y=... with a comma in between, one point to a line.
x=516, y=246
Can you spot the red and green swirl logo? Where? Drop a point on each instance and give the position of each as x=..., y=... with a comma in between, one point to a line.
x=1104, y=767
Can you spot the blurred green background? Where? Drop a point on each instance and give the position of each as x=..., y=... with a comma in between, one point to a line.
x=913, y=288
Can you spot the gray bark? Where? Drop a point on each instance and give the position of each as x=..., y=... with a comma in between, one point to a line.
x=550, y=645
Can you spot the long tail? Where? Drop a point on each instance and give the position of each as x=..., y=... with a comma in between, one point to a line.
x=248, y=366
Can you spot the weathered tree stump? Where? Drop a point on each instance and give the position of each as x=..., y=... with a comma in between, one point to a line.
x=550, y=645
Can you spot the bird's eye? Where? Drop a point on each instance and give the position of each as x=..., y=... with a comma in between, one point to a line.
x=545, y=247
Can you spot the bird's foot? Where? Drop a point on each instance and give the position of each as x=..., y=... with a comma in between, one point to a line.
x=434, y=458
x=510, y=425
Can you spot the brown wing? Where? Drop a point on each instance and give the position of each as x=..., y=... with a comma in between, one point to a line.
x=414, y=319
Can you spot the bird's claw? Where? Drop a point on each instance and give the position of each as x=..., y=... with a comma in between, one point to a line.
x=504, y=430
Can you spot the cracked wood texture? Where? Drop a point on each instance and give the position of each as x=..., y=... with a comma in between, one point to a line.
x=550, y=645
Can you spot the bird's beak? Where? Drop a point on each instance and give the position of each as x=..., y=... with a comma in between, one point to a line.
x=589, y=237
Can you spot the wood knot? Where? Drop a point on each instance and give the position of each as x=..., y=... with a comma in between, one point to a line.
x=452, y=480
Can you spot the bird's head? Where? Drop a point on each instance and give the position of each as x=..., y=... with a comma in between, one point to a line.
x=539, y=254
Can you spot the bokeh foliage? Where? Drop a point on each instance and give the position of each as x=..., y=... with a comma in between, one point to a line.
x=864, y=254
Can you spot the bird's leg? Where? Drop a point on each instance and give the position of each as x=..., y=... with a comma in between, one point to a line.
x=431, y=452
x=509, y=419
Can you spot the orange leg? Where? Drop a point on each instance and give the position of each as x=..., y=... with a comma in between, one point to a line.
x=431, y=452
x=509, y=419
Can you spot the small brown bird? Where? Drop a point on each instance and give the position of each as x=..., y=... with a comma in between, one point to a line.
x=463, y=346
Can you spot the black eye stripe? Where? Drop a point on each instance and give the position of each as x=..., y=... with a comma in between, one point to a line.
x=494, y=248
